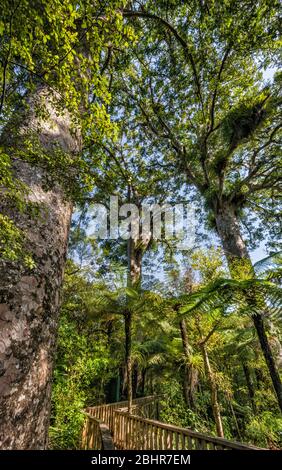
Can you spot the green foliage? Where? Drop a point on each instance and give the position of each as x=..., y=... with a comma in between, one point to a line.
x=84, y=362
x=250, y=296
x=63, y=48
x=195, y=100
x=91, y=354
x=11, y=243
x=80, y=365
x=67, y=420
x=265, y=430
x=174, y=410
x=240, y=123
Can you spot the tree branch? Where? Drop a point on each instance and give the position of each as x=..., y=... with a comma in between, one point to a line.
x=212, y=110
x=178, y=37
x=212, y=331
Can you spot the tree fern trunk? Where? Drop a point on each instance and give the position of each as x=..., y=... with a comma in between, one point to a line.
x=190, y=379
x=250, y=386
x=128, y=359
x=228, y=229
x=213, y=389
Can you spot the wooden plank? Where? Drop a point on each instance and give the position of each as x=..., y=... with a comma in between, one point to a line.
x=164, y=431
x=149, y=433
x=182, y=441
x=204, y=445
x=156, y=437
x=190, y=442
x=152, y=430
x=107, y=441
x=131, y=434
x=123, y=431
x=177, y=441
x=127, y=438
x=140, y=431
x=84, y=435
x=170, y=440
x=198, y=444
x=161, y=438
x=145, y=436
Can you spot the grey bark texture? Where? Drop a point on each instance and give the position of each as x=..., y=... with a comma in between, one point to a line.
x=228, y=229
x=30, y=298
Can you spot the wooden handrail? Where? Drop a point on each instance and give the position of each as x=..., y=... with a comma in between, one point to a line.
x=134, y=432
x=111, y=426
x=96, y=434
x=106, y=412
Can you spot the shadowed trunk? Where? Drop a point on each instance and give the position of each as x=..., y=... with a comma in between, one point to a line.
x=135, y=380
x=29, y=298
x=259, y=378
x=143, y=382
x=128, y=359
x=133, y=279
x=234, y=247
x=134, y=257
x=250, y=385
x=190, y=379
x=134, y=274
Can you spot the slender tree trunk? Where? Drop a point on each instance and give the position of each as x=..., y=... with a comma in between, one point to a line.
x=190, y=380
x=133, y=280
x=128, y=360
x=143, y=381
x=268, y=356
x=275, y=344
x=234, y=247
x=135, y=380
x=259, y=378
x=134, y=257
x=29, y=298
x=124, y=382
x=213, y=388
x=235, y=419
x=151, y=385
x=250, y=385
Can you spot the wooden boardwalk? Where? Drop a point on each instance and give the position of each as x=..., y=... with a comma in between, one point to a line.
x=110, y=426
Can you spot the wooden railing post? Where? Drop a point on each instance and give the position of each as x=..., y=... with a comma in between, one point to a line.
x=111, y=426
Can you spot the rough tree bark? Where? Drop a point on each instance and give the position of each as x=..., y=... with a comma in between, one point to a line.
x=29, y=298
x=135, y=252
x=143, y=381
x=128, y=358
x=213, y=388
x=134, y=276
x=250, y=385
x=190, y=381
x=135, y=380
x=228, y=229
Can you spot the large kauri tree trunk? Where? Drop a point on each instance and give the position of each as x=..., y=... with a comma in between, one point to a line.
x=29, y=298
x=228, y=229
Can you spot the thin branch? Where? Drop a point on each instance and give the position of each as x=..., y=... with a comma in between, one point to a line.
x=212, y=110
x=6, y=61
x=178, y=37
x=112, y=155
x=212, y=331
x=107, y=61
